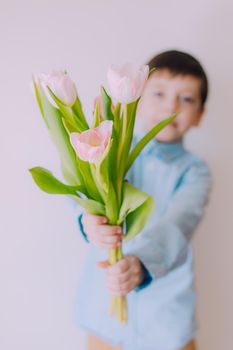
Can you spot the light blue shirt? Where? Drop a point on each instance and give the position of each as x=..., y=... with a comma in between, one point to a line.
x=161, y=310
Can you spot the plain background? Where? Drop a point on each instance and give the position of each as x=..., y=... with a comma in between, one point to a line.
x=41, y=252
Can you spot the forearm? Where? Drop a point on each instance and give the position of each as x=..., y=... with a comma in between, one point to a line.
x=163, y=243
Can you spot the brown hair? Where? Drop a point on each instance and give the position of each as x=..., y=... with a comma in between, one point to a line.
x=182, y=63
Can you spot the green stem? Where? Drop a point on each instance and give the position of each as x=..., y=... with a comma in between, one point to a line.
x=99, y=189
x=118, y=303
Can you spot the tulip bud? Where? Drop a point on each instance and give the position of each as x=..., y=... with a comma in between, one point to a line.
x=61, y=85
x=127, y=81
x=91, y=144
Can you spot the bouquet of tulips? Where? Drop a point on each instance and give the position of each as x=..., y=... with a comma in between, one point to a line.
x=96, y=159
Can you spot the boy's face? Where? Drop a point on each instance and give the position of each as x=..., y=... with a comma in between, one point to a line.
x=166, y=94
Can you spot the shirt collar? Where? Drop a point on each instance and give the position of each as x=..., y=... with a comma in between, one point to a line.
x=164, y=151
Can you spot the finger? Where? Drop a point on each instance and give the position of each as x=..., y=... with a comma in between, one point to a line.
x=119, y=279
x=99, y=243
x=91, y=219
x=113, y=239
x=103, y=264
x=105, y=235
x=107, y=230
x=120, y=290
x=119, y=267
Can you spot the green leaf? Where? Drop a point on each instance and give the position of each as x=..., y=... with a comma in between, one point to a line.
x=83, y=166
x=89, y=181
x=102, y=169
x=47, y=182
x=39, y=100
x=77, y=109
x=136, y=208
x=116, y=117
x=137, y=219
x=121, y=155
x=112, y=157
x=92, y=206
x=151, y=71
x=69, y=127
x=77, y=124
x=129, y=116
x=132, y=198
x=60, y=137
x=96, y=119
x=107, y=104
x=111, y=205
x=146, y=139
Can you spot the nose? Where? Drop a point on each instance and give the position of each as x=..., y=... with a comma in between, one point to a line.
x=172, y=106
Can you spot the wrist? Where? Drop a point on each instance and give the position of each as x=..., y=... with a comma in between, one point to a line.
x=146, y=279
x=142, y=272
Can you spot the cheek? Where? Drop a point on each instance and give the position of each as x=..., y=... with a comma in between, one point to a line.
x=148, y=106
x=147, y=112
x=185, y=121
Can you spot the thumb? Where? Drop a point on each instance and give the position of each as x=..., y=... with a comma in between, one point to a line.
x=102, y=264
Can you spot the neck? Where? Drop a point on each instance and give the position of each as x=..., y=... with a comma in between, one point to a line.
x=179, y=140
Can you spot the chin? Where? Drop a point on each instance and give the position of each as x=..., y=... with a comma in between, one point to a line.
x=167, y=135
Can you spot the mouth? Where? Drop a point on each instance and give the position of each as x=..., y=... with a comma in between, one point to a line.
x=173, y=124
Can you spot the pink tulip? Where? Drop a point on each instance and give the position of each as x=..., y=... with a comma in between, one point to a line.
x=91, y=144
x=61, y=85
x=127, y=81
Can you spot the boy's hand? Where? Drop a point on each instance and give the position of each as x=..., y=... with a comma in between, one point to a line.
x=100, y=233
x=123, y=276
x=127, y=273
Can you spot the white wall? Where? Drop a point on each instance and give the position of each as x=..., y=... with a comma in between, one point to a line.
x=41, y=253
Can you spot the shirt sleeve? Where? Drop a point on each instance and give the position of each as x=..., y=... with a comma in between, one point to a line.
x=79, y=219
x=163, y=243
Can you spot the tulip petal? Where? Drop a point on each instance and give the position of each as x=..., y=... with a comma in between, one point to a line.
x=127, y=81
x=61, y=85
x=90, y=145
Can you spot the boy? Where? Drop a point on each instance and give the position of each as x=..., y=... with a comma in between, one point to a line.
x=156, y=271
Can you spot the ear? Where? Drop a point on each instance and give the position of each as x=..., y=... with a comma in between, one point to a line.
x=199, y=116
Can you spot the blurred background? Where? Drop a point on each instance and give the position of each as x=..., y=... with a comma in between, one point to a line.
x=41, y=251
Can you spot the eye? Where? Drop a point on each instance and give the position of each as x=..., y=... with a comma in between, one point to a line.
x=186, y=99
x=158, y=94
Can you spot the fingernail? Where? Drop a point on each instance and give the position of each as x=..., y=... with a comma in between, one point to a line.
x=119, y=230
